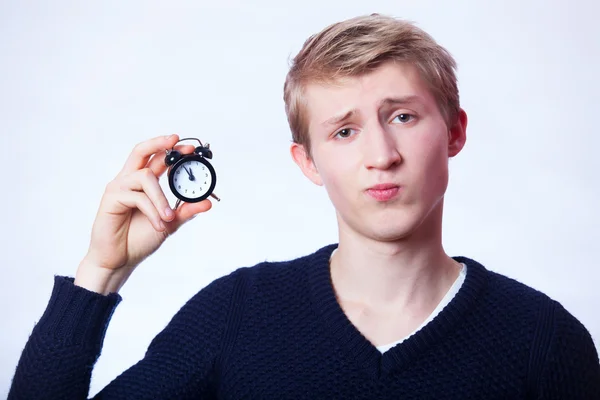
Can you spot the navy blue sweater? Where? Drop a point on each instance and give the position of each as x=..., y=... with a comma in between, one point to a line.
x=276, y=331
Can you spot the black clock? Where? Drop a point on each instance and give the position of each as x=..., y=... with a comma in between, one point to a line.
x=192, y=178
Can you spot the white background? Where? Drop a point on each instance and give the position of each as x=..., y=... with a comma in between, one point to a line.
x=82, y=83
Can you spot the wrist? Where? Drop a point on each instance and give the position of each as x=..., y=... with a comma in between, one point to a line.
x=101, y=280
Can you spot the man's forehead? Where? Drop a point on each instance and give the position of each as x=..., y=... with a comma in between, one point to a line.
x=392, y=84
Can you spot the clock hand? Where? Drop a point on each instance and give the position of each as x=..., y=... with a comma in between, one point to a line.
x=192, y=177
x=188, y=172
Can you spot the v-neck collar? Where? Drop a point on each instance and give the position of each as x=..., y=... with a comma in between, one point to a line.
x=358, y=347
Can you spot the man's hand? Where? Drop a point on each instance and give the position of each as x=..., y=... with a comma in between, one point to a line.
x=134, y=218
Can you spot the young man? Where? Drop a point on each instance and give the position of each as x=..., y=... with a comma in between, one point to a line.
x=374, y=110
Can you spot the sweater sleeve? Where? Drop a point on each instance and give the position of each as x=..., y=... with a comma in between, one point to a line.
x=59, y=356
x=572, y=369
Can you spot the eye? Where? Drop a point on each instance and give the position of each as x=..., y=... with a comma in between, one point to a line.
x=404, y=118
x=345, y=133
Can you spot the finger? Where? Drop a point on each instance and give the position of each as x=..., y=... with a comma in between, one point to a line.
x=140, y=201
x=145, y=180
x=141, y=153
x=186, y=212
x=157, y=162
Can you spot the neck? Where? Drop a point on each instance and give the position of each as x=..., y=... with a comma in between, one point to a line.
x=411, y=273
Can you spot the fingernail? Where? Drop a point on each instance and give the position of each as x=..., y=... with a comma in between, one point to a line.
x=168, y=212
x=168, y=136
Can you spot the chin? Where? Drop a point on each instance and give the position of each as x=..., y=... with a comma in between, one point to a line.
x=386, y=228
x=395, y=223
x=389, y=233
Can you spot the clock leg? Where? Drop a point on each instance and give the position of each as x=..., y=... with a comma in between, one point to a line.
x=177, y=204
x=214, y=196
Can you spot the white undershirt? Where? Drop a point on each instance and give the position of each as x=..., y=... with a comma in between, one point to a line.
x=443, y=303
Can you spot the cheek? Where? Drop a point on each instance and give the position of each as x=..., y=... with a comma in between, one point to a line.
x=337, y=177
x=431, y=157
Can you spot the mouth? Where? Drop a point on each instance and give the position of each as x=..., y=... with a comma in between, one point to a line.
x=384, y=191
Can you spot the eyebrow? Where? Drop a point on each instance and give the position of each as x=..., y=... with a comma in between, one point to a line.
x=388, y=101
x=393, y=101
x=339, y=118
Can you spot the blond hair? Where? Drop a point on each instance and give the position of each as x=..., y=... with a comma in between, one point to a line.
x=359, y=45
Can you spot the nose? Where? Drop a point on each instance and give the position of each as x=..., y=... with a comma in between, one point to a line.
x=380, y=148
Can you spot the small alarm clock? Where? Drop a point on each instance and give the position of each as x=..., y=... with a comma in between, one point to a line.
x=191, y=177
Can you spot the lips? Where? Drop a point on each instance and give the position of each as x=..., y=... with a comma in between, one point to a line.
x=384, y=191
x=384, y=186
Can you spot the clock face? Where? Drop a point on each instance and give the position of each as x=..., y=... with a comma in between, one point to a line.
x=192, y=179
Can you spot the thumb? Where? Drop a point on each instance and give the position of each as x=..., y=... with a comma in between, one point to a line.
x=185, y=212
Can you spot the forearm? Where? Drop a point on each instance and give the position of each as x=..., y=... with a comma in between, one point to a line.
x=58, y=358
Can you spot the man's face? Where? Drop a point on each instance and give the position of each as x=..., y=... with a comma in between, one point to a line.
x=385, y=129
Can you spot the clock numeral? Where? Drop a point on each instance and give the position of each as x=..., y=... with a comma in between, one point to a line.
x=178, y=171
x=194, y=192
x=186, y=190
x=179, y=187
x=205, y=182
x=203, y=168
x=206, y=174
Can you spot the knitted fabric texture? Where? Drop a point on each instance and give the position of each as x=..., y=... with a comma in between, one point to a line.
x=276, y=331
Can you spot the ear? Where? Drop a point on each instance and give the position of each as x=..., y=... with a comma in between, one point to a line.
x=306, y=163
x=457, y=135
